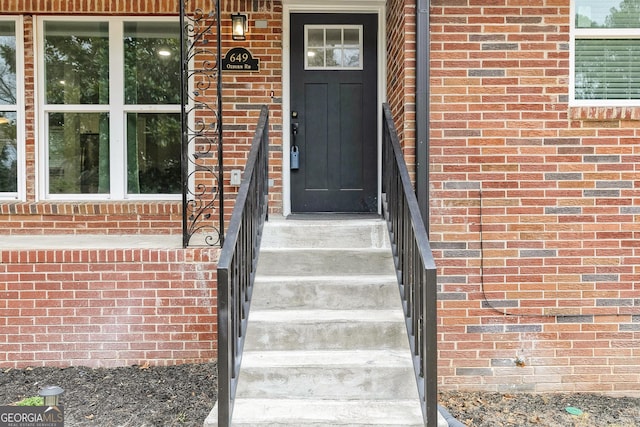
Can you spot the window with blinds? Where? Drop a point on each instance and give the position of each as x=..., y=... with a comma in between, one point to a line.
x=606, y=51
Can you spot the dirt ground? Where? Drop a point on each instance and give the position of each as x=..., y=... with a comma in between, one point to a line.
x=142, y=396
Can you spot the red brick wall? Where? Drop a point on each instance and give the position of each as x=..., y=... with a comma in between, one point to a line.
x=135, y=7
x=245, y=93
x=107, y=307
x=48, y=218
x=401, y=87
x=535, y=208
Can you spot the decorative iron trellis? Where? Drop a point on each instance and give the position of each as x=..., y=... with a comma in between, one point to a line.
x=201, y=115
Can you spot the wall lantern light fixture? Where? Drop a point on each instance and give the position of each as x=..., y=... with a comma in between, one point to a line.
x=239, y=26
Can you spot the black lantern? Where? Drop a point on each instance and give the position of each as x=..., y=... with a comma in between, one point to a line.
x=239, y=26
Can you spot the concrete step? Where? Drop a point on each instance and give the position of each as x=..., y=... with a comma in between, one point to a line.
x=324, y=413
x=327, y=375
x=325, y=330
x=351, y=234
x=336, y=292
x=324, y=262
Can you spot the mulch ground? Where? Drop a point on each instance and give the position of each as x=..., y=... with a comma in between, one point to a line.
x=541, y=410
x=134, y=396
x=183, y=395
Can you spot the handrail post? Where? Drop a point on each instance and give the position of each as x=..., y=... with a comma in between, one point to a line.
x=224, y=349
x=430, y=351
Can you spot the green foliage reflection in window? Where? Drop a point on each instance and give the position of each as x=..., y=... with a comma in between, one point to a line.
x=76, y=62
x=152, y=62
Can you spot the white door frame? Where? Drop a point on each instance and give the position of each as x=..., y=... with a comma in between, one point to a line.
x=327, y=6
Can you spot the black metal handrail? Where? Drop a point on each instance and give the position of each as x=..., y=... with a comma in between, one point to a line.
x=237, y=266
x=415, y=266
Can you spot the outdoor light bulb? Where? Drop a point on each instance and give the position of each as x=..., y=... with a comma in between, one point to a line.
x=311, y=54
x=239, y=28
x=62, y=82
x=164, y=52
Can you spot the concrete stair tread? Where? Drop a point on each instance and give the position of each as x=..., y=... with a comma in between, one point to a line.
x=333, y=358
x=327, y=375
x=313, y=222
x=332, y=280
x=318, y=233
x=326, y=249
x=325, y=412
x=324, y=261
x=360, y=292
x=313, y=316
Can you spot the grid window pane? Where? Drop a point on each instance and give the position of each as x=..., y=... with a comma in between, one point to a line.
x=351, y=57
x=315, y=57
x=76, y=58
x=78, y=153
x=351, y=37
x=7, y=63
x=153, y=153
x=152, y=62
x=334, y=57
x=8, y=152
x=315, y=37
x=334, y=37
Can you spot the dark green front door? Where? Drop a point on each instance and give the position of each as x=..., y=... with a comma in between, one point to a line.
x=334, y=108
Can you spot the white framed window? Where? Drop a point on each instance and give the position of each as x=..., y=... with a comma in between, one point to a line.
x=110, y=108
x=11, y=109
x=333, y=47
x=605, y=53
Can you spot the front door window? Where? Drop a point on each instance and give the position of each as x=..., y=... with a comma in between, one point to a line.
x=333, y=47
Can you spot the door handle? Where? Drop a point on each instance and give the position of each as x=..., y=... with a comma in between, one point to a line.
x=294, y=157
